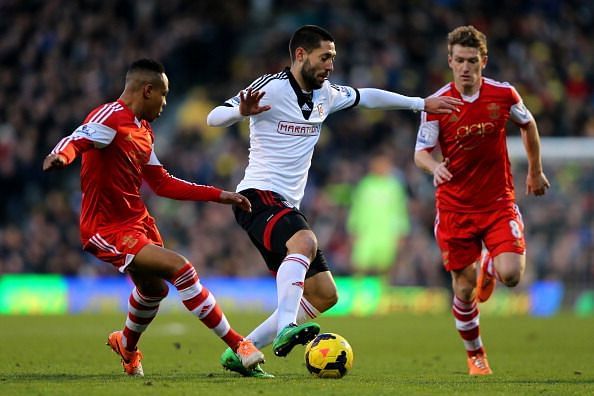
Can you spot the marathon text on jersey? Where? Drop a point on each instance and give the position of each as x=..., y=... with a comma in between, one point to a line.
x=298, y=129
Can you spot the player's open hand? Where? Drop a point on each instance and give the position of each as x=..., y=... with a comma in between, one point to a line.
x=53, y=161
x=233, y=198
x=537, y=184
x=442, y=104
x=250, y=102
x=441, y=173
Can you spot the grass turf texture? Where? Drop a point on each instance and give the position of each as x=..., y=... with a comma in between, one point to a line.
x=395, y=354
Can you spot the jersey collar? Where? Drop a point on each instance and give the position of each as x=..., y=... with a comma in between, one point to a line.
x=304, y=100
x=471, y=98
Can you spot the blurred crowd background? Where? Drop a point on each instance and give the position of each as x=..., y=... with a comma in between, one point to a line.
x=60, y=59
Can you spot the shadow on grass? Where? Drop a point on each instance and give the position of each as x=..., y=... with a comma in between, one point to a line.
x=103, y=378
x=508, y=381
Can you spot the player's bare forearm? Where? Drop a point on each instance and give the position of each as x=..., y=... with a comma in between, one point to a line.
x=531, y=142
x=233, y=198
x=53, y=161
x=536, y=181
x=439, y=170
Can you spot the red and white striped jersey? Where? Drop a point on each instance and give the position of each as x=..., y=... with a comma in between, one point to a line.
x=117, y=155
x=474, y=142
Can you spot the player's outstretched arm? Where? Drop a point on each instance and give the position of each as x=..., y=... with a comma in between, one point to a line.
x=373, y=98
x=168, y=186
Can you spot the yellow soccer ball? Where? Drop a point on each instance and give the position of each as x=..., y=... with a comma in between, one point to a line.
x=329, y=355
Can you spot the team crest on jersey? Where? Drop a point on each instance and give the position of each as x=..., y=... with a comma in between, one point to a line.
x=129, y=241
x=453, y=118
x=321, y=110
x=494, y=110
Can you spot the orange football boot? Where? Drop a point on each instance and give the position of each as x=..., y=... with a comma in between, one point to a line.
x=130, y=360
x=248, y=354
x=479, y=365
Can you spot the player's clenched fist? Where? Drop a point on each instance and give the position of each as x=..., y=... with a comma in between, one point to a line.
x=53, y=161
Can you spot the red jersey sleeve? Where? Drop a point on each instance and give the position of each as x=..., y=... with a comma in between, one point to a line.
x=72, y=146
x=87, y=136
x=519, y=114
x=166, y=185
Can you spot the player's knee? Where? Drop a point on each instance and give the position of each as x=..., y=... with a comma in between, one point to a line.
x=176, y=262
x=164, y=290
x=160, y=291
x=173, y=266
x=303, y=242
x=152, y=287
x=465, y=291
x=510, y=273
x=511, y=279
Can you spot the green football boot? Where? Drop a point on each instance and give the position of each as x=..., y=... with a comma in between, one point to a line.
x=230, y=361
x=294, y=335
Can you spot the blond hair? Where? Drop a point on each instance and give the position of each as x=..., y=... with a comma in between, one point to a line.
x=468, y=36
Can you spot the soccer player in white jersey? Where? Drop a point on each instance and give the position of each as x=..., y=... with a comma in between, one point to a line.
x=286, y=112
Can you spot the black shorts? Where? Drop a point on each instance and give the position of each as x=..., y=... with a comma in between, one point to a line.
x=272, y=222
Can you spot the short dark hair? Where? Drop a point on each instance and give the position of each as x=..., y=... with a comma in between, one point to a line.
x=468, y=36
x=146, y=64
x=143, y=71
x=309, y=38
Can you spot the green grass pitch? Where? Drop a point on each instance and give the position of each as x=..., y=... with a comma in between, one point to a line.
x=399, y=354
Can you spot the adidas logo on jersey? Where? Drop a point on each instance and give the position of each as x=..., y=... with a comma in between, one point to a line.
x=305, y=107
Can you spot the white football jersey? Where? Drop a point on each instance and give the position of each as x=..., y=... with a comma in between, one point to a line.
x=282, y=139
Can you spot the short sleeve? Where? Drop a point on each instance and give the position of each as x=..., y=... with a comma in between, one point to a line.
x=518, y=112
x=428, y=134
x=100, y=134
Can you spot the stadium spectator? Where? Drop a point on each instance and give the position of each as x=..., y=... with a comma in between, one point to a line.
x=52, y=72
x=475, y=198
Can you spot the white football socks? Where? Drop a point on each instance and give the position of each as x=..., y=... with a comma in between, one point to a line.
x=289, y=287
x=264, y=334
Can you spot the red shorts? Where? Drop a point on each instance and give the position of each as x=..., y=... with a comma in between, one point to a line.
x=460, y=236
x=119, y=246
